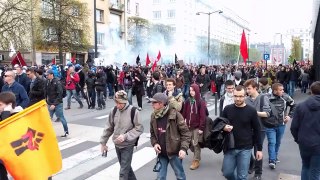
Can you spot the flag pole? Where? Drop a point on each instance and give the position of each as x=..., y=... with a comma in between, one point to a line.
x=19, y=59
x=238, y=59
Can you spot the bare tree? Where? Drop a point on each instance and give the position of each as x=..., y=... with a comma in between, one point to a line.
x=14, y=24
x=62, y=26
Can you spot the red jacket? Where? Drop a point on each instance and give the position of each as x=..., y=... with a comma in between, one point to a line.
x=71, y=82
x=195, y=115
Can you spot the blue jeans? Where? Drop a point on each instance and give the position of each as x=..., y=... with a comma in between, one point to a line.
x=92, y=97
x=274, y=136
x=176, y=165
x=110, y=89
x=129, y=94
x=100, y=99
x=236, y=159
x=310, y=163
x=59, y=113
x=292, y=85
x=74, y=93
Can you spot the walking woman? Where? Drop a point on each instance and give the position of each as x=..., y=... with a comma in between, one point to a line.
x=127, y=85
x=138, y=89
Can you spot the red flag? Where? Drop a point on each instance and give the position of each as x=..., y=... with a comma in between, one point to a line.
x=73, y=58
x=154, y=65
x=148, y=60
x=244, y=47
x=18, y=59
x=159, y=56
x=53, y=61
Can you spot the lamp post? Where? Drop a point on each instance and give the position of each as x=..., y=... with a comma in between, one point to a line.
x=209, y=13
x=95, y=29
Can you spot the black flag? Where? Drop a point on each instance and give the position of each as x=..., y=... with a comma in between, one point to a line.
x=138, y=60
x=175, y=59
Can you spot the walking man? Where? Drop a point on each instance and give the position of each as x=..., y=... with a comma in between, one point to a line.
x=170, y=136
x=125, y=134
x=246, y=131
x=54, y=96
x=305, y=130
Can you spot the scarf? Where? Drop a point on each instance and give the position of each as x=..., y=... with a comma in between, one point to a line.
x=161, y=112
x=228, y=100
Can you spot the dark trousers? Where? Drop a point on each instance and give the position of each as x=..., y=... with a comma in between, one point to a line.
x=310, y=163
x=3, y=172
x=139, y=100
x=125, y=157
x=255, y=164
x=92, y=97
x=100, y=99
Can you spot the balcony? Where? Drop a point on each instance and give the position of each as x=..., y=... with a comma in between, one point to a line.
x=116, y=8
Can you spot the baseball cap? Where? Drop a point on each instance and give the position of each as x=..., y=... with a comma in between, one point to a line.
x=160, y=97
x=50, y=71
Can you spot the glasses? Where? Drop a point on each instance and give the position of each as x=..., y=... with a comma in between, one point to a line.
x=238, y=96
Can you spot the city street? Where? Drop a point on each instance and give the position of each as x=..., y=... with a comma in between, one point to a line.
x=82, y=158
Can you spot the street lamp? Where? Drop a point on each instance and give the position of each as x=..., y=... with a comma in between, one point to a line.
x=209, y=13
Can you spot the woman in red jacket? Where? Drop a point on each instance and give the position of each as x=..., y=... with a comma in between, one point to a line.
x=71, y=81
x=194, y=113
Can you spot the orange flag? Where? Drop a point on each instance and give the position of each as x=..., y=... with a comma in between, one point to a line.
x=29, y=147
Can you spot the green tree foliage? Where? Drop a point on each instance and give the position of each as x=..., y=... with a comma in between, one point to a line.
x=63, y=26
x=255, y=55
x=296, y=50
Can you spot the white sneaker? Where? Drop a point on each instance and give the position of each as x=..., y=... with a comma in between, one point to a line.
x=139, y=109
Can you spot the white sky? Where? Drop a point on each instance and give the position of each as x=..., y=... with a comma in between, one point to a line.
x=267, y=17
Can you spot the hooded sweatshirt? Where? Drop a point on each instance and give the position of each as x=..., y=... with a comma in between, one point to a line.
x=194, y=110
x=305, y=126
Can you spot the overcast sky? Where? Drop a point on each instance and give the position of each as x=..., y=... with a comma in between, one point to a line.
x=272, y=16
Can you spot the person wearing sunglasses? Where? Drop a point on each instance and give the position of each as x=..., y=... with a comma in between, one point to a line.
x=18, y=90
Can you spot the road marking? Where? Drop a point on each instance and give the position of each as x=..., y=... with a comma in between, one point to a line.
x=70, y=142
x=102, y=117
x=139, y=159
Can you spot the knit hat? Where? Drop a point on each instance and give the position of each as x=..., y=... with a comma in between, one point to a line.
x=238, y=74
x=121, y=97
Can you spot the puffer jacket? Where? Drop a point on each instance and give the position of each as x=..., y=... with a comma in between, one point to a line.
x=281, y=104
x=178, y=136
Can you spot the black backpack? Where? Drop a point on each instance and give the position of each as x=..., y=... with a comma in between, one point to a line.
x=132, y=113
x=272, y=120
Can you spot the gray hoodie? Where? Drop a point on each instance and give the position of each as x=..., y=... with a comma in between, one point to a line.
x=121, y=124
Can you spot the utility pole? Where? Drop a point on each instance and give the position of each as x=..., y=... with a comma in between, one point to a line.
x=95, y=29
x=33, y=49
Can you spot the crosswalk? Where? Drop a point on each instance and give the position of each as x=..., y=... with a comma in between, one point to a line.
x=89, y=164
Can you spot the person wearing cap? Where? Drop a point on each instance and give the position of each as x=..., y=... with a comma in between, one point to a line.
x=54, y=95
x=19, y=91
x=170, y=136
x=125, y=133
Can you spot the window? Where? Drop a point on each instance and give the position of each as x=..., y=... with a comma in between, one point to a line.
x=157, y=14
x=171, y=13
x=99, y=14
x=137, y=9
x=50, y=34
x=156, y=1
x=76, y=36
x=100, y=39
x=47, y=7
x=128, y=6
x=75, y=11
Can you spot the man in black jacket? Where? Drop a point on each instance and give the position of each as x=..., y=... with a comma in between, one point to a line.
x=246, y=131
x=22, y=78
x=203, y=80
x=305, y=130
x=36, y=92
x=53, y=94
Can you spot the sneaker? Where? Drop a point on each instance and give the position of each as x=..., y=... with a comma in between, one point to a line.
x=67, y=108
x=57, y=120
x=81, y=106
x=99, y=108
x=65, y=135
x=103, y=106
x=277, y=161
x=139, y=109
x=272, y=165
x=257, y=177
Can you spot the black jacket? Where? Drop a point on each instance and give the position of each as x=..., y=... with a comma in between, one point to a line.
x=100, y=83
x=90, y=83
x=53, y=92
x=219, y=139
x=24, y=81
x=37, y=92
x=305, y=127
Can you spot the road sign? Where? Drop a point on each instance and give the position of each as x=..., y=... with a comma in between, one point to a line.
x=266, y=56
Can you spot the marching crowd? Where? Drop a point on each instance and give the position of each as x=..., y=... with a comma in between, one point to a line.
x=180, y=119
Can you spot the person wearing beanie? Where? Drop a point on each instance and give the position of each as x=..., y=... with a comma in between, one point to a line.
x=237, y=78
x=125, y=130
